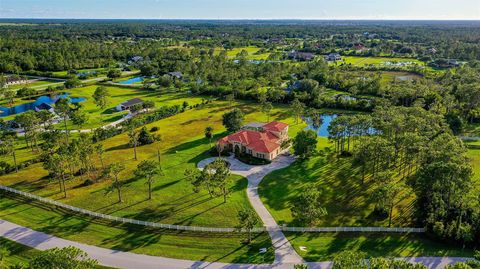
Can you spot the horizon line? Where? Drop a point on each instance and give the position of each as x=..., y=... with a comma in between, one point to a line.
x=251, y=19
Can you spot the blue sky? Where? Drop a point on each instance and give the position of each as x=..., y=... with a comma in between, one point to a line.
x=242, y=9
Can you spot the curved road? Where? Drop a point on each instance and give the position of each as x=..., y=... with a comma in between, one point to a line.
x=284, y=251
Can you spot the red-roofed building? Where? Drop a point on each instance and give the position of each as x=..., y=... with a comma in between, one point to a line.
x=259, y=140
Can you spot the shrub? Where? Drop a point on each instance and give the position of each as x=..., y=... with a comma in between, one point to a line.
x=153, y=129
x=249, y=159
x=5, y=168
x=23, y=92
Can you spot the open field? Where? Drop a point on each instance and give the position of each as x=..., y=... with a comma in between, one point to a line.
x=324, y=246
x=381, y=61
x=252, y=53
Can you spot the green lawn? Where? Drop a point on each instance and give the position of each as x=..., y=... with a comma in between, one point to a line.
x=324, y=246
x=183, y=145
x=347, y=201
x=173, y=200
x=252, y=53
x=65, y=73
x=99, y=117
x=19, y=254
x=180, y=245
x=364, y=61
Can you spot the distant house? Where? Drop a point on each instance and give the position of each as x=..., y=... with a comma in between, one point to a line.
x=127, y=105
x=276, y=40
x=260, y=140
x=333, y=57
x=175, y=75
x=13, y=80
x=293, y=86
x=135, y=59
x=432, y=50
x=359, y=46
x=301, y=56
x=452, y=62
x=44, y=106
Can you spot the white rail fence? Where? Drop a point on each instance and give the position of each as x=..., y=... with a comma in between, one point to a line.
x=208, y=229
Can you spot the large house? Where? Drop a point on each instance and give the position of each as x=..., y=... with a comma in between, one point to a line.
x=333, y=57
x=260, y=140
x=127, y=105
x=301, y=56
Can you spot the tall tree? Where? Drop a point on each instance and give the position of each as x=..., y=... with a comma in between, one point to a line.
x=267, y=109
x=134, y=136
x=233, y=120
x=247, y=219
x=307, y=207
x=63, y=109
x=100, y=151
x=79, y=117
x=7, y=146
x=297, y=109
x=149, y=170
x=209, y=134
x=387, y=196
x=305, y=143
x=101, y=96
x=114, y=170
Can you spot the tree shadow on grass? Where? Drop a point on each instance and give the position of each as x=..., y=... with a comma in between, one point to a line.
x=120, y=147
x=109, y=111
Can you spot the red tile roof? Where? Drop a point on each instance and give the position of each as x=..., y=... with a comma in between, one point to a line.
x=275, y=126
x=264, y=142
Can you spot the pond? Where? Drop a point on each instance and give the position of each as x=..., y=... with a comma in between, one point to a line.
x=130, y=81
x=323, y=130
x=51, y=100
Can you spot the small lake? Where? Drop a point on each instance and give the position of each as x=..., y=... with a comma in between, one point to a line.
x=51, y=100
x=323, y=130
x=131, y=81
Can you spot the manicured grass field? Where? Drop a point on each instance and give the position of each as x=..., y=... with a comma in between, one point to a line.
x=183, y=145
x=252, y=53
x=19, y=254
x=99, y=117
x=347, y=201
x=363, y=61
x=324, y=246
x=65, y=72
x=180, y=245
